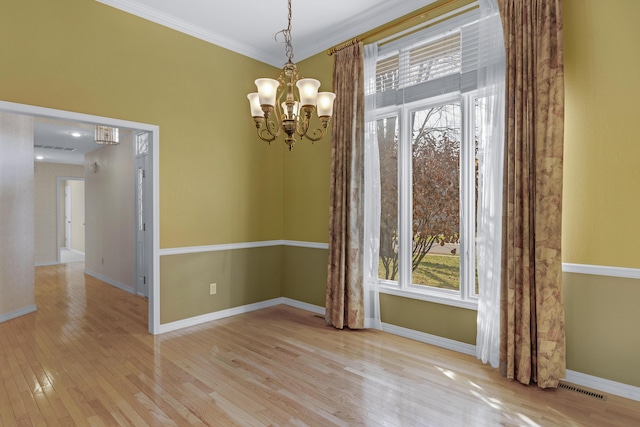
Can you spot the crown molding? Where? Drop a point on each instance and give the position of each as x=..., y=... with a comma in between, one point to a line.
x=161, y=18
x=306, y=47
x=367, y=21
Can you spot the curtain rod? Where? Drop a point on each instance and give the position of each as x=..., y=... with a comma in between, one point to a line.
x=387, y=27
x=342, y=46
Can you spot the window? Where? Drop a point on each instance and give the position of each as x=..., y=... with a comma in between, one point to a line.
x=426, y=106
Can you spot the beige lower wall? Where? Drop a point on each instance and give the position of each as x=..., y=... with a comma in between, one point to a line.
x=16, y=214
x=46, y=205
x=305, y=274
x=243, y=276
x=454, y=323
x=601, y=321
x=305, y=278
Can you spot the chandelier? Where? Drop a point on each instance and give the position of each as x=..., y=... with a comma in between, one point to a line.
x=276, y=108
x=106, y=135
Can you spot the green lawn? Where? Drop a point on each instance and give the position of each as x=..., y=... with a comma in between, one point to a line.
x=439, y=271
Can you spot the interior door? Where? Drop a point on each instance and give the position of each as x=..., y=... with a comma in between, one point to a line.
x=143, y=212
x=67, y=216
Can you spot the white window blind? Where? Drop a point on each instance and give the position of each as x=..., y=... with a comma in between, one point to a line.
x=441, y=59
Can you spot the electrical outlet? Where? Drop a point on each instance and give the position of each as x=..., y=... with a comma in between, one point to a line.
x=212, y=289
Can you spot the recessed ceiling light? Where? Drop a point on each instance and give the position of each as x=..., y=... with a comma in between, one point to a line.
x=76, y=134
x=39, y=157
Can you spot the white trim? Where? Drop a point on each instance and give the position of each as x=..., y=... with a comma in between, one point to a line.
x=111, y=282
x=447, y=343
x=44, y=264
x=243, y=245
x=216, y=248
x=604, y=385
x=60, y=211
x=197, y=320
x=17, y=313
x=311, y=245
x=303, y=305
x=601, y=270
x=430, y=296
x=154, y=288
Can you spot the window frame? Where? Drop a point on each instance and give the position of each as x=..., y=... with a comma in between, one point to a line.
x=465, y=297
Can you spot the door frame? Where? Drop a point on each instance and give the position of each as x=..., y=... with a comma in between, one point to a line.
x=154, y=146
x=67, y=216
x=60, y=209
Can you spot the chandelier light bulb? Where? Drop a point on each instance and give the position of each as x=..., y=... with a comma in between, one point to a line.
x=308, y=89
x=254, y=102
x=267, y=91
x=325, y=104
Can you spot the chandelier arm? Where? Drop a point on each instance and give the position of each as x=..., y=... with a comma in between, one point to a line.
x=272, y=126
x=317, y=134
x=302, y=126
x=265, y=136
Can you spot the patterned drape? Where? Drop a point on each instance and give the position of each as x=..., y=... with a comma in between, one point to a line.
x=344, y=300
x=532, y=341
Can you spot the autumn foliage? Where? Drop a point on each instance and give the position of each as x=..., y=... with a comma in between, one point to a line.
x=436, y=184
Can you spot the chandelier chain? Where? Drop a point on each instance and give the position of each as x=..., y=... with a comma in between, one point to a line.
x=288, y=47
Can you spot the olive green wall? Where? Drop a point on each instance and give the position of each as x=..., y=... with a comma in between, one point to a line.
x=602, y=319
x=454, y=323
x=306, y=171
x=602, y=151
x=601, y=175
x=242, y=276
x=305, y=274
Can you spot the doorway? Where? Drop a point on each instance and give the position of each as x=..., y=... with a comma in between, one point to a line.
x=71, y=220
x=151, y=249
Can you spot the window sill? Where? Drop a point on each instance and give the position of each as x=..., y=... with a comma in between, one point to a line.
x=430, y=296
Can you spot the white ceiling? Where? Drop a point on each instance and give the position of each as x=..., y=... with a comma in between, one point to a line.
x=59, y=145
x=248, y=26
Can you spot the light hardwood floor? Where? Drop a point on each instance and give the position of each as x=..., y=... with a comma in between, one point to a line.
x=85, y=358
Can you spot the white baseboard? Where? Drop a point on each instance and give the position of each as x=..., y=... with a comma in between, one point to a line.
x=604, y=385
x=197, y=320
x=45, y=264
x=111, y=282
x=17, y=313
x=447, y=343
x=303, y=305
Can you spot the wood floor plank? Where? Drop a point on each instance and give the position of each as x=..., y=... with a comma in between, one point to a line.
x=85, y=358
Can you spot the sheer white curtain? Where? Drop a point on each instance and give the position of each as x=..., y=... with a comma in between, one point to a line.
x=490, y=125
x=371, y=192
